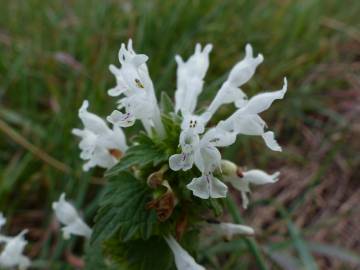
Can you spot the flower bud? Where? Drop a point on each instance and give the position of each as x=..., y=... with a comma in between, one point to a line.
x=229, y=230
x=228, y=167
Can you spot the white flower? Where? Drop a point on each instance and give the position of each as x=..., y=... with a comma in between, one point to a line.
x=99, y=144
x=134, y=82
x=183, y=161
x=136, y=107
x=12, y=254
x=229, y=230
x=219, y=137
x=207, y=157
x=190, y=75
x=241, y=181
x=200, y=146
x=189, y=142
x=261, y=102
x=183, y=260
x=239, y=75
x=207, y=186
x=247, y=121
x=67, y=215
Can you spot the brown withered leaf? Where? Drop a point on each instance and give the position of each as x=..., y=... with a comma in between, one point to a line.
x=181, y=225
x=163, y=206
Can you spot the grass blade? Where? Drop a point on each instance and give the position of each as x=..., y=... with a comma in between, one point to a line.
x=298, y=242
x=251, y=243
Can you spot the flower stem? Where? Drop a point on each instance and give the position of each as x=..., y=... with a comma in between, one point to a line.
x=251, y=243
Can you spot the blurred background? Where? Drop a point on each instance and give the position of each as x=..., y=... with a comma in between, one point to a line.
x=55, y=54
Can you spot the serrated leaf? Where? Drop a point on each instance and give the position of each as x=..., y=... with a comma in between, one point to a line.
x=166, y=103
x=141, y=254
x=95, y=260
x=172, y=127
x=141, y=154
x=123, y=210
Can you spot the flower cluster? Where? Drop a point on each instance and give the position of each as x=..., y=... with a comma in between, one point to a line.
x=199, y=142
x=12, y=253
x=203, y=150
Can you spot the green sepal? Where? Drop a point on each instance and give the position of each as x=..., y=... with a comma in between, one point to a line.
x=144, y=152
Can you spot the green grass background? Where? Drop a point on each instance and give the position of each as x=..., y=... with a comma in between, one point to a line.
x=40, y=96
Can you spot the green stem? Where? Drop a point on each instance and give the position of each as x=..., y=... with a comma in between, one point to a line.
x=251, y=243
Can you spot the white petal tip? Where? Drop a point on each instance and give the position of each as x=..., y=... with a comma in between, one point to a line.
x=248, y=50
x=285, y=84
x=84, y=106
x=260, y=58
x=178, y=59
x=208, y=48
x=113, y=69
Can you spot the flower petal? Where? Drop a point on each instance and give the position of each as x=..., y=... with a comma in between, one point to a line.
x=245, y=69
x=207, y=158
x=270, y=141
x=229, y=230
x=219, y=137
x=78, y=227
x=64, y=211
x=12, y=253
x=218, y=188
x=190, y=75
x=91, y=121
x=121, y=119
x=258, y=177
x=67, y=215
x=262, y=102
x=227, y=94
x=200, y=187
x=183, y=260
x=251, y=124
x=207, y=186
x=183, y=161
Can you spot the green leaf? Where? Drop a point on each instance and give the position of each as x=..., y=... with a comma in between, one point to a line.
x=166, y=103
x=123, y=210
x=141, y=254
x=143, y=153
x=95, y=260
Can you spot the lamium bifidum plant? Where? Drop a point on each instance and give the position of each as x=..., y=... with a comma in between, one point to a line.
x=169, y=182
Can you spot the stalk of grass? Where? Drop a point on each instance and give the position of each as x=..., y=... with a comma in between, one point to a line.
x=298, y=242
x=251, y=243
